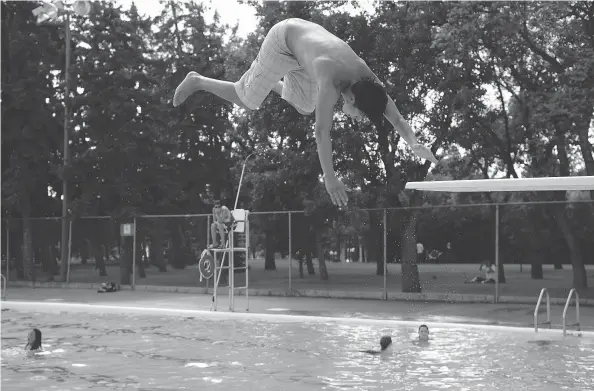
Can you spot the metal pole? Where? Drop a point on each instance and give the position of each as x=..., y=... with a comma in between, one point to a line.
x=241, y=178
x=247, y=263
x=7, y=249
x=497, y=253
x=69, y=250
x=290, y=253
x=214, y=274
x=385, y=254
x=207, y=231
x=231, y=260
x=65, y=225
x=134, y=257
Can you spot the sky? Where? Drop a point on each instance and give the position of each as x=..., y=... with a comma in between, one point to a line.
x=230, y=11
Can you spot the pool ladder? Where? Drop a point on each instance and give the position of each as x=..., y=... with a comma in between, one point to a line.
x=564, y=317
x=577, y=311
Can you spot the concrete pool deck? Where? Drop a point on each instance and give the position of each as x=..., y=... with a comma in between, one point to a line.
x=519, y=315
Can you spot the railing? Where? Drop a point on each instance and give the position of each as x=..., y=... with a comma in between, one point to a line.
x=536, y=324
x=577, y=311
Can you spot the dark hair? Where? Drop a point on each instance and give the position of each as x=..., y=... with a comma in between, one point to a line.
x=385, y=341
x=371, y=98
x=423, y=325
x=37, y=342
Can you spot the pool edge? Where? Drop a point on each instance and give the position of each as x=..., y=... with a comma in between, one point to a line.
x=454, y=298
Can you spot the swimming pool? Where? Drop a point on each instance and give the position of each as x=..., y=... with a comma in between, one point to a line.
x=117, y=348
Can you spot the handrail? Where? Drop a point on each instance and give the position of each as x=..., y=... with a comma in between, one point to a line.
x=542, y=292
x=577, y=311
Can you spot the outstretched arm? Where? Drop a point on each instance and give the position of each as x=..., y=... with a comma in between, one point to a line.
x=327, y=97
x=395, y=118
x=403, y=128
x=399, y=123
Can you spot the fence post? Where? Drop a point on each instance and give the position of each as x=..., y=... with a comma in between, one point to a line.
x=385, y=254
x=7, y=250
x=496, y=254
x=134, y=257
x=207, y=231
x=290, y=253
x=69, y=250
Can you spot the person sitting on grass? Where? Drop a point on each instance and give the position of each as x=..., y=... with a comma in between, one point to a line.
x=221, y=217
x=490, y=275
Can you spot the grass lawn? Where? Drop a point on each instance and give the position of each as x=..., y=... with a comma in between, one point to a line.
x=361, y=277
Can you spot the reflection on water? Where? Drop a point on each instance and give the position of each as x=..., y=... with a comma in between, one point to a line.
x=91, y=351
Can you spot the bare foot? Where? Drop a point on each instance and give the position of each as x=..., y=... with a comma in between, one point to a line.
x=186, y=88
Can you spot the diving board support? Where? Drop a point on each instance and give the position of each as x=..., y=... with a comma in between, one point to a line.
x=548, y=322
x=240, y=226
x=577, y=312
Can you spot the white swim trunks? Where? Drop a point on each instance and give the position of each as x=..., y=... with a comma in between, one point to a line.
x=273, y=63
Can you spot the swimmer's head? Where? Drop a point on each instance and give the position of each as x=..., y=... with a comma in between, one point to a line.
x=423, y=332
x=34, y=340
x=385, y=342
x=369, y=98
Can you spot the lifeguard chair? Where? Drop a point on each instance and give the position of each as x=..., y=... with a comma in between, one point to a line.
x=237, y=242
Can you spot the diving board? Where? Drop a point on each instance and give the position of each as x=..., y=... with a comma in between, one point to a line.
x=516, y=184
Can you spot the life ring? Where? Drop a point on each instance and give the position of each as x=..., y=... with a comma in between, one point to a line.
x=206, y=265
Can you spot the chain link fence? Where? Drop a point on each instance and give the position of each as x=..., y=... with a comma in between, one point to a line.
x=379, y=252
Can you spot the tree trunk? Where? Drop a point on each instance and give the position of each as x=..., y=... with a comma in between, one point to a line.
x=177, y=256
x=410, y=271
x=311, y=271
x=536, y=270
x=140, y=259
x=586, y=148
x=580, y=279
x=156, y=252
x=309, y=253
x=269, y=262
x=320, y=255
x=28, y=250
x=98, y=254
x=501, y=273
x=125, y=260
x=373, y=243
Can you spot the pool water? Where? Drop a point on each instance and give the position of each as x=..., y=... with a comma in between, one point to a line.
x=115, y=351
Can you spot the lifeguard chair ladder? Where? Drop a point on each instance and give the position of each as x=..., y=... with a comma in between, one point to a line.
x=241, y=229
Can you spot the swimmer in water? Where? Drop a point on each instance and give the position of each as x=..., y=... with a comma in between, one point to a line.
x=423, y=333
x=34, y=340
x=385, y=343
